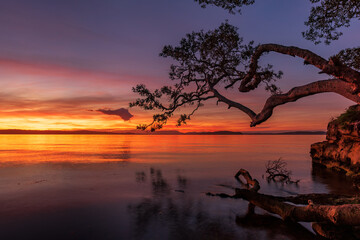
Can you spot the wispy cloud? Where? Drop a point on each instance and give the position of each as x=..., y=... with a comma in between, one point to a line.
x=53, y=70
x=121, y=112
x=12, y=101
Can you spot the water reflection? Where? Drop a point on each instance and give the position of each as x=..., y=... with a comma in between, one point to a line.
x=140, y=177
x=165, y=216
x=172, y=213
x=274, y=227
x=160, y=187
x=33, y=149
x=286, y=188
x=91, y=180
x=182, y=182
x=335, y=182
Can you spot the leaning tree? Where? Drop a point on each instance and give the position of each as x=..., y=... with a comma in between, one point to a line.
x=219, y=59
x=209, y=63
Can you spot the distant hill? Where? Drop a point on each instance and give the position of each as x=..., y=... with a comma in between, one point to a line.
x=214, y=133
x=88, y=132
x=287, y=133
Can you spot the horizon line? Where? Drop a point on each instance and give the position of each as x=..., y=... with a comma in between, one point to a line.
x=163, y=132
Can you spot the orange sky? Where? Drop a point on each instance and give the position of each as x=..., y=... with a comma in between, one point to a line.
x=38, y=97
x=60, y=63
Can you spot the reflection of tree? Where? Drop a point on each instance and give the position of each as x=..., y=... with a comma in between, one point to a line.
x=123, y=153
x=177, y=217
x=159, y=185
x=171, y=215
x=145, y=212
x=140, y=177
x=182, y=181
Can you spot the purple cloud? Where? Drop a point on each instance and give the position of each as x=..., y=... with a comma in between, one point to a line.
x=121, y=112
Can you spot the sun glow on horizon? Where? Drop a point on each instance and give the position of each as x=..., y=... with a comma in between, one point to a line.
x=39, y=96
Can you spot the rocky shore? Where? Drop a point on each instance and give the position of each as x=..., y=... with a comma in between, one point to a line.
x=341, y=150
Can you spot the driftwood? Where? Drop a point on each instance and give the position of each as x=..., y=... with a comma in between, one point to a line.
x=255, y=186
x=332, y=215
x=346, y=214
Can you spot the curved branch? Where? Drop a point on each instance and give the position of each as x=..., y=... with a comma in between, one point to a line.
x=332, y=67
x=249, y=180
x=333, y=85
x=231, y=103
x=206, y=60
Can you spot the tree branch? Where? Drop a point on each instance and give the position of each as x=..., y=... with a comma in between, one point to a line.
x=255, y=186
x=219, y=58
x=231, y=103
x=344, y=214
x=333, y=85
x=332, y=67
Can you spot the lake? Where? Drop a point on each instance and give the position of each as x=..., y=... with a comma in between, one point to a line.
x=148, y=186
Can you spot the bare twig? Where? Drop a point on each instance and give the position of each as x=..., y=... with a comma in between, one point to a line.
x=277, y=172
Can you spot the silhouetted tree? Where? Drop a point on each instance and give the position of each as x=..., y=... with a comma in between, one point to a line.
x=208, y=61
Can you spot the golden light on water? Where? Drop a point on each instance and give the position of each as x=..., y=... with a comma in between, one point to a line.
x=33, y=149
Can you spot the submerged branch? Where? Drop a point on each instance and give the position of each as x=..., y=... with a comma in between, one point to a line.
x=331, y=214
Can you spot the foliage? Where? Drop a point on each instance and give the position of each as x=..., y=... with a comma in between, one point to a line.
x=328, y=16
x=207, y=61
x=325, y=18
x=352, y=115
x=350, y=57
x=204, y=60
x=231, y=5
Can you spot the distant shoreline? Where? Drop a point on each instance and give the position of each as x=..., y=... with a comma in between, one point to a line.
x=85, y=132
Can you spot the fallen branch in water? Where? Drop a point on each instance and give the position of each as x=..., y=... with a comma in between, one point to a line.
x=332, y=212
x=255, y=186
x=277, y=172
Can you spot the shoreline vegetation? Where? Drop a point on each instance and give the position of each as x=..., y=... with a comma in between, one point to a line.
x=88, y=132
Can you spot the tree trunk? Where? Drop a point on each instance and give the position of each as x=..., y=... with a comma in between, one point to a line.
x=333, y=216
x=346, y=214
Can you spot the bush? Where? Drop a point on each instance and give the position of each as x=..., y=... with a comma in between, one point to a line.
x=351, y=115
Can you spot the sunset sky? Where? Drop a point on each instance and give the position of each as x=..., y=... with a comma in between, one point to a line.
x=68, y=64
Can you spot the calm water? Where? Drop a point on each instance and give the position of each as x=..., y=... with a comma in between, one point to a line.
x=146, y=187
